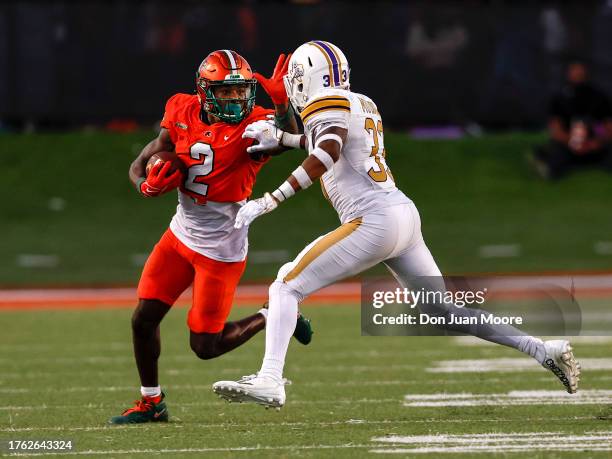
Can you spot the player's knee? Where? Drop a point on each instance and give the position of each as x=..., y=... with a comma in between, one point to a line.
x=205, y=353
x=205, y=349
x=275, y=288
x=147, y=316
x=284, y=270
x=140, y=324
x=279, y=288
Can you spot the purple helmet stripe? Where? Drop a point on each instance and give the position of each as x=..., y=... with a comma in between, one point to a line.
x=332, y=56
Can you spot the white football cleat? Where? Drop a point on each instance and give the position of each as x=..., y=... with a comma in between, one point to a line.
x=253, y=388
x=561, y=361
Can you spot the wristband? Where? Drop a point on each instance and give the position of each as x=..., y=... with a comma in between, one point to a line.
x=139, y=183
x=283, y=192
x=325, y=137
x=324, y=157
x=290, y=140
x=302, y=177
x=283, y=119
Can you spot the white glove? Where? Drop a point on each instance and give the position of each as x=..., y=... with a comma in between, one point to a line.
x=265, y=132
x=253, y=209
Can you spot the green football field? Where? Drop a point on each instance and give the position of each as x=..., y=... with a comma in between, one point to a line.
x=64, y=373
x=70, y=216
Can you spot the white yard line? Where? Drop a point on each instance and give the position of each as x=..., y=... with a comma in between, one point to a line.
x=138, y=259
x=36, y=260
x=499, y=251
x=603, y=247
x=509, y=365
x=473, y=341
x=601, y=446
x=535, y=397
x=261, y=257
x=494, y=442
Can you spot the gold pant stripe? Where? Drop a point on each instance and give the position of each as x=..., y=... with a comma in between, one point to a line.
x=325, y=243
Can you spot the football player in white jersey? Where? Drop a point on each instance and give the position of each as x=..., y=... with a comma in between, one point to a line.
x=343, y=135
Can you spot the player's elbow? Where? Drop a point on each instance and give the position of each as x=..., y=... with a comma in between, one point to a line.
x=332, y=148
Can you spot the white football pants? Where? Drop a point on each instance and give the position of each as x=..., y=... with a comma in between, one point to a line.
x=391, y=235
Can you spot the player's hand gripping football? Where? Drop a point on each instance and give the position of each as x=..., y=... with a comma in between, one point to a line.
x=158, y=181
x=274, y=86
x=253, y=209
x=265, y=133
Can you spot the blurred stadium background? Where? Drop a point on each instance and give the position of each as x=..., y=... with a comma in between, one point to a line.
x=463, y=89
x=83, y=86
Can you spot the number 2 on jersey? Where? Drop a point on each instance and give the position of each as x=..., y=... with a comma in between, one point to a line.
x=376, y=129
x=204, y=153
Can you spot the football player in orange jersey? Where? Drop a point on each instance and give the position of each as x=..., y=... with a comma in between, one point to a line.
x=201, y=246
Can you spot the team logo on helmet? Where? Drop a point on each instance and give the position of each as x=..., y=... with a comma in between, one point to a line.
x=297, y=71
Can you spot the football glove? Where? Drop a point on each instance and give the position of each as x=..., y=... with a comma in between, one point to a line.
x=158, y=181
x=253, y=209
x=274, y=85
x=265, y=133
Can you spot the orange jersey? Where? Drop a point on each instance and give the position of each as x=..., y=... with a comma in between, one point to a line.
x=218, y=167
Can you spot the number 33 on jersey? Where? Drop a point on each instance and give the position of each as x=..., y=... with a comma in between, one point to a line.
x=218, y=166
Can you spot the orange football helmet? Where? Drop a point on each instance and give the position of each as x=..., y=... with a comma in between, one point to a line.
x=222, y=68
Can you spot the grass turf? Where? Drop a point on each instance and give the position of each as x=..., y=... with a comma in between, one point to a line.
x=470, y=192
x=64, y=373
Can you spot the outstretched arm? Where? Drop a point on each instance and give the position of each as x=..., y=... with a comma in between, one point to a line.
x=271, y=140
x=284, y=117
x=327, y=147
x=326, y=152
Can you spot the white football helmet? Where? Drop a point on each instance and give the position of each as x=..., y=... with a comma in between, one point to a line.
x=313, y=66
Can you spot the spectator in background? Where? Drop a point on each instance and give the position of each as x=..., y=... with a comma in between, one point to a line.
x=579, y=125
x=435, y=41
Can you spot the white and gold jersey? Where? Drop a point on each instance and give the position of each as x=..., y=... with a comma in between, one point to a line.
x=360, y=181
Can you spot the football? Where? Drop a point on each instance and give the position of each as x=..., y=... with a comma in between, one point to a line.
x=164, y=156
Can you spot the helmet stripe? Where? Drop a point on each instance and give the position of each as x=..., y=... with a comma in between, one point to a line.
x=335, y=51
x=231, y=60
x=334, y=60
x=329, y=62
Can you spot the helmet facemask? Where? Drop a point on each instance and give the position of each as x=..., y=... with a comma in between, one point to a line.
x=296, y=87
x=229, y=109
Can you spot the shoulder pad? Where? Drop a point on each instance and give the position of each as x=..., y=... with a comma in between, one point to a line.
x=326, y=101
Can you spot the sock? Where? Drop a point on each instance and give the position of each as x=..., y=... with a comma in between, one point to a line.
x=264, y=312
x=533, y=347
x=280, y=326
x=150, y=391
